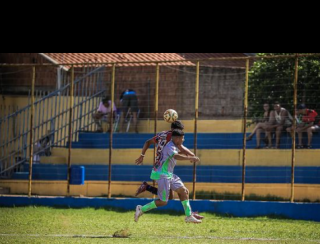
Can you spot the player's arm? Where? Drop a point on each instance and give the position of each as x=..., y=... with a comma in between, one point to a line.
x=182, y=157
x=184, y=150
x=146, y=145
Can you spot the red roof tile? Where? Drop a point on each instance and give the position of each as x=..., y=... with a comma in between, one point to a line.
x=68, y=58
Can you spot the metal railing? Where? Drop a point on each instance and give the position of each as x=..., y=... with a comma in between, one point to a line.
x=51, y=113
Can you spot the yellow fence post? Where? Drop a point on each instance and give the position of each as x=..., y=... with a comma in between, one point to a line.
x=293, y=132
x=156, y=104
x=31, y=129
x=245, y=113
x=196, y=129
x=70, y=127
x=111, y=127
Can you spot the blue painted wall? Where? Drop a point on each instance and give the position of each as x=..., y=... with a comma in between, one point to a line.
x=214, y=174
x=301, y=211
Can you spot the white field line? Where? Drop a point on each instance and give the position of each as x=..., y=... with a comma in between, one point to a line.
x=164, y=237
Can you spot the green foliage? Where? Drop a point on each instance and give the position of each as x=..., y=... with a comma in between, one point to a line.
x=272, y=80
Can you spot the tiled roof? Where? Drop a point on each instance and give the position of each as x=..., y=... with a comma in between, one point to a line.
x=68, y=58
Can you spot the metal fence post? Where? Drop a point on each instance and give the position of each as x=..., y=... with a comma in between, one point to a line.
x=196, y=115
x=70, y=128
x=31, y=130
x=111, y=127
x=293, y=159
x=245, y=113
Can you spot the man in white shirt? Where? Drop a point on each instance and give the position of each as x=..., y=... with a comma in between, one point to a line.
x=104, y=111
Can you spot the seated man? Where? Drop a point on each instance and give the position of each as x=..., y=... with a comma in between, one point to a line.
x=280, y=120
x=307, y=122
x=313, y=129
x=104, y=110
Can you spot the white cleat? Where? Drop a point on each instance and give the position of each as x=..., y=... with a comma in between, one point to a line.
x=138, y=213
x=192, y=219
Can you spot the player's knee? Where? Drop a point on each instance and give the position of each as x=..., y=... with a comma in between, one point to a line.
x=162, y=203
x=183, y=191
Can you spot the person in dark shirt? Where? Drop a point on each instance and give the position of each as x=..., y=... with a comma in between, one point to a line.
x=129, y=100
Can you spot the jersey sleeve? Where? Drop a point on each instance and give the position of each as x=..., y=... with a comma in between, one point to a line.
x=156, y=138
x=172, y=150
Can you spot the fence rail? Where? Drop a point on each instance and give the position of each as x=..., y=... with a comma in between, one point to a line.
x=51, y=110
x=200, y=90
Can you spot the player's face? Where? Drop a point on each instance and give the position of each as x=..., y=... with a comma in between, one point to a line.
x=180, y=140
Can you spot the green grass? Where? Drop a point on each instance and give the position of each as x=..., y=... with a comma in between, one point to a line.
x=44, y=225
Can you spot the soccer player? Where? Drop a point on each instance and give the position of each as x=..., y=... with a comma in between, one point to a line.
x=161, y=139
x=163, y=174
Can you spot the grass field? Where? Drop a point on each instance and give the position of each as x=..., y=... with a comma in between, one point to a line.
x=57, y=225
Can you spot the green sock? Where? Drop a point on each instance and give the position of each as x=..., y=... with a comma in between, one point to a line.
x=148, y=207
x=186, y=206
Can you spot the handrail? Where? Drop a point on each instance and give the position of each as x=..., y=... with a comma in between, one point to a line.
x=14, y=142
x=52, y=93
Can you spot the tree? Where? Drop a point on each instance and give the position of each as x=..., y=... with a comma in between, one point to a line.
x=272, y=80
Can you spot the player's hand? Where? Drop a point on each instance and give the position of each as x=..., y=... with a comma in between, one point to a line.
x=195, y=159
x=139, y=161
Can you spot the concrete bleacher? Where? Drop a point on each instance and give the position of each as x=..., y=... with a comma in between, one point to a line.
x=204, y=140
x=210, y=174
x=268, y=171
x=220, y=154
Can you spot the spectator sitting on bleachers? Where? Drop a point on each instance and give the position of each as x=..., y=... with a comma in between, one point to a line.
x=313, y=129
x=261, y=126
x=308, y=121
x=104, y=110
x=280, y=120
x=298, y=118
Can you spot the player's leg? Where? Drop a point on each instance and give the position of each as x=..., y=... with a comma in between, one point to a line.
x=171, y=194
x=183, y=193
x=163, y=194
x=146, y=187
x=154, y=190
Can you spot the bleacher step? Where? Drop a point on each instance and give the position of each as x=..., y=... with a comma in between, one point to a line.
x=4, y=190
x=53, y=160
